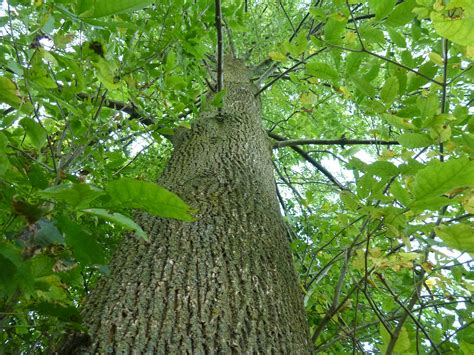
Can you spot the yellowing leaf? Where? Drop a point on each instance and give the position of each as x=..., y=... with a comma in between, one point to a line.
x=468, y=203
x=398, y=122
x=430, y=282
x=441, y=133
x=105, y=73
x=456, y=23
x=470, y=52
x=308, y=99
x=344, y=91
x=436, y=58
x=277, y=56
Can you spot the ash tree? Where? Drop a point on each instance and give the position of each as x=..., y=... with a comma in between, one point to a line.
x=236, y=176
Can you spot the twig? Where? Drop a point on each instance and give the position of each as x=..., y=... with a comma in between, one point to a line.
x=355, y=25
x=286, y=15
x=132, y=160
x=408, y=313
x=294, y=66
x=464, y=326
x=313, y=162
x=385, y=59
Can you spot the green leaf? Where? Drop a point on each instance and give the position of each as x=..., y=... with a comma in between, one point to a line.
x=105, y=73
x=350, y=201
x=402, y=14
x=441, y=177
x=400, y=192
x=397, y=38
x=457, y=236
x=148, y=196
x=48, y=234
x=100, y=8
x=353, y=62
x=7, y=275
x=8, y=92
x=372, y=35
x=414, y=140
x=398, y=122
x=390, y=90
x=4, y=163
x=433, y=203
x=3, y=142
x=382, y=8
x=382, y=169
x=321, y=71
x=335, y=27
x=14, y=272
x=39, y=75
x=385, y=335
x=428, y=106
x=84, y=245
x=299, y=45
x=35, y=132
x=218, y=98
x=456, y=23
x=119, y=219
x=77, y=195
x=363, y=85
x=403, y=342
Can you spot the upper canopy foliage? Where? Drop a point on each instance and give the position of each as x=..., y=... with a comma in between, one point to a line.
x=378, y=188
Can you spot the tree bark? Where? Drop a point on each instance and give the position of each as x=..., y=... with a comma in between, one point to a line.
x=224, y=283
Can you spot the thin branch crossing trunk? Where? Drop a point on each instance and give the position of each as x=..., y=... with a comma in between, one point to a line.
x=224, y=283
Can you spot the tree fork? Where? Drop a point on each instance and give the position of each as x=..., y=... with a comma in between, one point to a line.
x=224, y=283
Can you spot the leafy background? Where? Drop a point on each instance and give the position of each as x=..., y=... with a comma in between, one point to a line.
x=368, y=104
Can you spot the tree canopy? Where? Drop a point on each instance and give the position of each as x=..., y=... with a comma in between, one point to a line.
x=368, y=105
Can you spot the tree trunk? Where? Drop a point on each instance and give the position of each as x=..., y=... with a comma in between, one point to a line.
x=224, y=283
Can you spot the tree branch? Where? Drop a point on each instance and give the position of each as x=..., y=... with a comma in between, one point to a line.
x=312, y=161
x=126, y=107
x=342, y=142
x=220, y=47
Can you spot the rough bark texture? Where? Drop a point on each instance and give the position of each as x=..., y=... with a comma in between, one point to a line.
x=225, y=283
